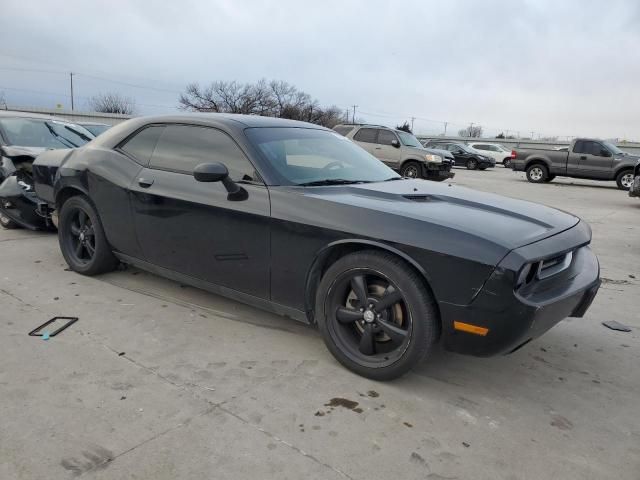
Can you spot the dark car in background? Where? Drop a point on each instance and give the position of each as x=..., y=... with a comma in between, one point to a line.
x=296, y=219
x=586, y=158
x=464, y=155
x=23, y=136
x=634, y=191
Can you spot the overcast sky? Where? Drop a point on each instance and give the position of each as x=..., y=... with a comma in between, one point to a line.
x=552, y=67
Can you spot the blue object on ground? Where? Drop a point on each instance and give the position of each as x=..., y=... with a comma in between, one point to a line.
x=45, y=335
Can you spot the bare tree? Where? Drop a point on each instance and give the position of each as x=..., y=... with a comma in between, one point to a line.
x=3, y=101
x=405, y=127
x=471, y=131
x=112, y=103
x=272, y=99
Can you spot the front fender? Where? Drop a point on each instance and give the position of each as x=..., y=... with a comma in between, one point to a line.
x=346, y=246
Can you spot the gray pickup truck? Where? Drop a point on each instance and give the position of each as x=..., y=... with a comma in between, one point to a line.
x=586, y=158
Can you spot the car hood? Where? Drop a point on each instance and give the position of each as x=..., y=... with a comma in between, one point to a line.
x=502, y=222
x=442, y=153
x=18, y=151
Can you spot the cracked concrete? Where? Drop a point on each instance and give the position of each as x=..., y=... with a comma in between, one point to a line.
x=159, y=381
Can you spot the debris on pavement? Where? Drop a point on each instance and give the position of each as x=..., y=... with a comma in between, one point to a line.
x=613, y=325
x=46, y=334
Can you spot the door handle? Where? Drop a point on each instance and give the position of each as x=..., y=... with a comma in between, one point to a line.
x=144, y=183
x=583, y=157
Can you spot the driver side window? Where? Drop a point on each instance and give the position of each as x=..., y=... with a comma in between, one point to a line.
x=181, y=148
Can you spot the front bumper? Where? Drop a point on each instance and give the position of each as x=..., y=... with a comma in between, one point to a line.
x=437, y=171
x=513, y=317
x=634, y=191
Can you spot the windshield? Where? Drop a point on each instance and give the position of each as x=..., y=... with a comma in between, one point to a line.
x=34, y=132
x=303, y=155
x=409, y=140
x=613, y=149
x=96, y=129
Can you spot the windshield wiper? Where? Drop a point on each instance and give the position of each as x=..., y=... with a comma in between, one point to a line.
x=60, y=137
x=331, y=181
x=392, y=178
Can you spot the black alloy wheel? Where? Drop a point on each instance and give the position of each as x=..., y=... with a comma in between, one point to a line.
x=376, y=316
x=82, y=239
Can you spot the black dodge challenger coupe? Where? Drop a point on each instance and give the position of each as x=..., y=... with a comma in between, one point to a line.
x=298, y=220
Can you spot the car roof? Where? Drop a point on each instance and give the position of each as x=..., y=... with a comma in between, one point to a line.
x=37, y=116
x=230, y=119
x=93, y=123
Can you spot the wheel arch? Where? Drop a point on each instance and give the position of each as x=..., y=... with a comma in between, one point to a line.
x=66, y=192
x=338, y=249
x=537, y=160
x=621, y=169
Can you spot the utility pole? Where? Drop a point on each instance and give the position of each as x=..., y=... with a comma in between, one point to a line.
x=445, y=128
x=532, y=135
x=71, y=79
x=471, y=129
x=354, y=113
x=412, y=119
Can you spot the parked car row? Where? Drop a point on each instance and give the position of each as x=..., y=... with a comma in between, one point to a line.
x=298, y=220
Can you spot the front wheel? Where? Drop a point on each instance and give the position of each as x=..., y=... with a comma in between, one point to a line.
x=375, y=314
x=410, y=170
x=624, y=179
x=537, y=173
x=82, y=239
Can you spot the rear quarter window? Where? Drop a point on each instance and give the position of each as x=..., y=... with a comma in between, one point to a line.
x=367, y=135
x=142, y=144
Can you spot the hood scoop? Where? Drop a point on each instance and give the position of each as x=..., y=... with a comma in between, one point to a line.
x=421, y=198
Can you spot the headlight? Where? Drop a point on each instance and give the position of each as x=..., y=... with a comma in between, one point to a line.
x=433, y=158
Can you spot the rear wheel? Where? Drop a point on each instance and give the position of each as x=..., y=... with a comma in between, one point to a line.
x=507, y=163
x=82, y=240
x=375, y=314
x=472, y=164
x=537, y=173
x=624, y=179
x=7, y=223
x=410, y=170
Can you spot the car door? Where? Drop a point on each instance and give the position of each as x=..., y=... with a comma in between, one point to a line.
x=366, y=138
x=591, y=159
x=193, y=227
x=385, y=151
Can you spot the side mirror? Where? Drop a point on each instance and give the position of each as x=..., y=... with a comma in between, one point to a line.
x=395, y=143
x=217, y=172
x=210, y=172
x=605, y=153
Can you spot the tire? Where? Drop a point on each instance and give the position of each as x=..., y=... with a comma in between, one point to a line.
x=624, y=179
x=82, y=239
x=507, y=163
x=384, y=344
x=472, y=164
x=7, y=223
x=537, y=173
x=410, y=170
